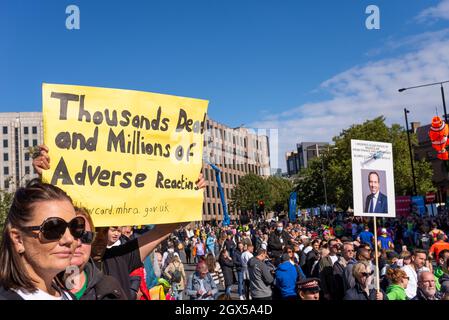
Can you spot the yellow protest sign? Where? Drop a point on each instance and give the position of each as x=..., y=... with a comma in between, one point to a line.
x=129, y=157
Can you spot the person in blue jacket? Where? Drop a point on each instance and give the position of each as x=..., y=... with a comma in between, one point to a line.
x=286, y=276
x=210, y=243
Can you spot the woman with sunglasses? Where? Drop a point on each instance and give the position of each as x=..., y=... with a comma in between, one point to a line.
x=399, y=281
x=119, y=261
x=84, y=280
x=38, y=241
x=363, y=275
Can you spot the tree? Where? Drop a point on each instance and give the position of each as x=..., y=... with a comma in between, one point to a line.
x=338, y=166
x=5, y=204
x=309, y=185
x=250, y=189
x=280, y=190
x=273, y=191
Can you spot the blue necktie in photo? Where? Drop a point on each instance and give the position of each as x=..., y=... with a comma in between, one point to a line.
x=371, y=205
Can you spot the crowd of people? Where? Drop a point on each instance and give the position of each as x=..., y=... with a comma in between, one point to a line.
x=51, y=250
x=330, y=258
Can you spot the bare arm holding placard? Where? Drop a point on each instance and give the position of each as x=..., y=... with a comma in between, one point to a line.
x=41, y=159
x=147, y=242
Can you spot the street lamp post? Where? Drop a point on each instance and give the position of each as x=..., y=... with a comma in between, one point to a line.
x=433, y=84
x=410, y=150
x=324, y=178
x=442, y=97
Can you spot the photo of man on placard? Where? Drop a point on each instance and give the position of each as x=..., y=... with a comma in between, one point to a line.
x=375, y=200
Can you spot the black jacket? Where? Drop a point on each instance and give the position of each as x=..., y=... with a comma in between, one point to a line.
x=338, y=271
x=276, y=242
x=421, y=296
x=257, y=242
x=357, y=293
x=312, y=256
x=9, y=294
x=100, y=286
x=119, y=262
x=230, y=246
x=444, y=281
x=237, y=259
x=226, y=266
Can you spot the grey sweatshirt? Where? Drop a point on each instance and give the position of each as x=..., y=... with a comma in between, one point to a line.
x=260, y=278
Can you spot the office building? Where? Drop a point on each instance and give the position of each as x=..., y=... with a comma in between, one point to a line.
x=237, y=152
x=20, y=131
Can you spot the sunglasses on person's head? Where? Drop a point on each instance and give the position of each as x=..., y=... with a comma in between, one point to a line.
x=53, y=228
x=87, y=237
x=366, y=274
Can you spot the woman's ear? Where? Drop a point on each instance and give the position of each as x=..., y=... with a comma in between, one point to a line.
x=17, y=240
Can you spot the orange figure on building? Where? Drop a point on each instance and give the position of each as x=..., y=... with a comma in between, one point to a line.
x=438, y=135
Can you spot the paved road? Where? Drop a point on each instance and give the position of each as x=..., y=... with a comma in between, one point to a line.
x=190, y=268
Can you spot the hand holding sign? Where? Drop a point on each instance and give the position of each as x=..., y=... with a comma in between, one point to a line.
x=41, y=160
x=129, y=157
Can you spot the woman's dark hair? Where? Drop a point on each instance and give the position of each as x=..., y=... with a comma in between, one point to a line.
x=288, y=247
x=13, y=274
x=210, y=261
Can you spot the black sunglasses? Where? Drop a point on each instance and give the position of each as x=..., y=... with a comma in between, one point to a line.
x=88, y=237
x=366, y=274
x=54, y=228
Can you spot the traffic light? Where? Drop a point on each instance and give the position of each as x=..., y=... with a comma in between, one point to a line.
x=261, y=206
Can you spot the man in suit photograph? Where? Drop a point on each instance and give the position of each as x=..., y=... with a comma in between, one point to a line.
x=376, y=202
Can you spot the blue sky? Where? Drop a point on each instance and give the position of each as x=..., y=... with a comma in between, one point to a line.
x=260, y=63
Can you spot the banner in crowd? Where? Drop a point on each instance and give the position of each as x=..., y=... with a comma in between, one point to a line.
x=403, y=206
x=372, y=179
x=432, y=210
x=292, y=206
x=129, y=157
x=418, y=205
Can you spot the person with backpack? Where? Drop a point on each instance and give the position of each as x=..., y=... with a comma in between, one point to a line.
x=175, y=274
x=168, y=255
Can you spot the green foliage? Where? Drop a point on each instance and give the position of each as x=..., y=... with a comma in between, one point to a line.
x=274, y=191
x=280, y=190
x=338, y=166
x=250, y=189
x=5, y=204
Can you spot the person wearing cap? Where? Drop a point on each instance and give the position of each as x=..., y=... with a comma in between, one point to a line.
x=309, y=289
x=384, y=241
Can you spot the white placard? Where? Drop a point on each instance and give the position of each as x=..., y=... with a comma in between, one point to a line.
x=373, y=179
